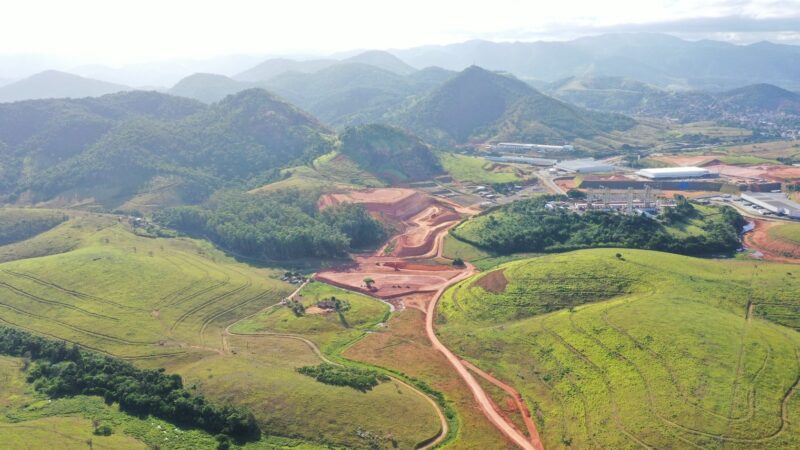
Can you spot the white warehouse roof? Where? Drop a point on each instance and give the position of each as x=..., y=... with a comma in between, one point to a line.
x=587, y=165
x=674, y=172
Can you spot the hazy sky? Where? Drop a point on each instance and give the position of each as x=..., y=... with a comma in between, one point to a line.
x=119, y=32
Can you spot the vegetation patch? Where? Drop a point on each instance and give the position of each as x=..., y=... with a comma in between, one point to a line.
x=530, y=226
x=278, y=225
x=60, y=370
x=475, y=169
x=20, y=224
x=354, y=377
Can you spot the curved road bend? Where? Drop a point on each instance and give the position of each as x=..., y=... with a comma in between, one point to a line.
x=477, y=391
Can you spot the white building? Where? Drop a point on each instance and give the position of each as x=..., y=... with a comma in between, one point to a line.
x=522, y=160
x=520, y=147
x=775, y=202
x=675, y=172
x=586, y=165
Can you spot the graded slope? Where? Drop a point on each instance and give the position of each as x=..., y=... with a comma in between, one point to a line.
x=647, y=349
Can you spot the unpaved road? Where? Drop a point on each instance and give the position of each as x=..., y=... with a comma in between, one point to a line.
x=477, y=391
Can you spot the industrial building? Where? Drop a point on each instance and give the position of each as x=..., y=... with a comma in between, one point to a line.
x=587, y=165
x=519, y=147
x=522, y=160
x=775, y=202
x=675, y=172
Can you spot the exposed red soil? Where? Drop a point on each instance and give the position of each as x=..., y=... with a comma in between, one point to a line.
x=397, y=203
x=762, y=171
x=772, y=249
x=424, y=222
x=494, y=282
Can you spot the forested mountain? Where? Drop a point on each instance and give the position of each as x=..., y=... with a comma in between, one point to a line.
x=209, y=88
x=390, y=153
x=55, y=84
x=352, y=93
x=109, y=148
x=653, y=58
x=271, y=68
x=621, y=95
x=479, y=105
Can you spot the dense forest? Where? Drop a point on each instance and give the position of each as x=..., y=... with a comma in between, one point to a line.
x=278, y=225
x=20, y=224
x=61, y=370
x=360, y=379
x=529, y=226
x=114, y=145
x=390, y=153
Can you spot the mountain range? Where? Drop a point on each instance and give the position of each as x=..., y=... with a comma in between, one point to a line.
x=631, y=97
x=114, y=147
x=478, y=105
x=658, y=59
x=55, y=84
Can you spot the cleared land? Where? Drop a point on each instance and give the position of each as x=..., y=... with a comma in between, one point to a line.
x=167, y=303
x=650, y=349
x=775, y=241
x=478, y=170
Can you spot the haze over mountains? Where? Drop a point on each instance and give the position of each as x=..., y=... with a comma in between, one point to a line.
x=55, y=84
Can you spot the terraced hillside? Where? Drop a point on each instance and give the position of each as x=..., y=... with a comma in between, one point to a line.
x=166, y=302
x=643, y=349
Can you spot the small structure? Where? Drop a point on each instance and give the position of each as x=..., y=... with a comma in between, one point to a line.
x=585, y=165
x=675, y=173
x=777, y=203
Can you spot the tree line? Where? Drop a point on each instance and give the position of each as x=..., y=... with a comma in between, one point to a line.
x=61, y=370
x=529, y=226
x=279, y=225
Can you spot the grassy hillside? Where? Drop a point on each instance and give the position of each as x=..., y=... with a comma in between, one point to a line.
x=650, y=349
x=789, y=232
x=476, y=170
x=162, y=302
x=392, y=154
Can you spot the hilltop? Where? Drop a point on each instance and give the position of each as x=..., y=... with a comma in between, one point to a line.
x=479, y=105
x=111, y=149
x=390, y=153
x=55, y=84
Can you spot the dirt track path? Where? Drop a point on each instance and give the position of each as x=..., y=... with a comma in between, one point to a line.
x=529, y=424
x=437, y=233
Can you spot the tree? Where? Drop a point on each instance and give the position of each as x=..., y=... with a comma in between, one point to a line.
x=369, y=282
x=458, y=262
x=576, y=194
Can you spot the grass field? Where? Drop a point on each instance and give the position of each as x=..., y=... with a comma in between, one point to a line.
x=477, y=170
x=166, y=302
x=331, y=171
x=483, y=260
x=650, y=349
x=789, y=232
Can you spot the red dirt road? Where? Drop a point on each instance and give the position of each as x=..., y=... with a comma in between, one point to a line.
x=425, y=221
x=518, y=403
x=772, y=250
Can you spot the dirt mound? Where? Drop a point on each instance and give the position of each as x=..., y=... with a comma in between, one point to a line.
x=494, y=282
x=398, y=203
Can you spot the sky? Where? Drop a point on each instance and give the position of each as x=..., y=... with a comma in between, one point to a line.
x=118, y=32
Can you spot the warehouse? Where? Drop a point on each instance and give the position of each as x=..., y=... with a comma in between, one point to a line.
x=775, y=202
x=587, y=165
x=675, y=172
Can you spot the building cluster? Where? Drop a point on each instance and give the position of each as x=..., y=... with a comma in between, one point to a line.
x=774, y=202
x=520, y=147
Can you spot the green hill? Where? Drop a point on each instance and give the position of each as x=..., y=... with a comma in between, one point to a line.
x=109, y=149
x=478, y=106
x=166, y=302
x=652, y=350
x=55, y=84
x=390, y=153
x=209, y=88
